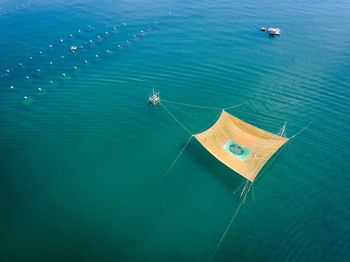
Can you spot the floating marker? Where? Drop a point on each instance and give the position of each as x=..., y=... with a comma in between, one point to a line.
x=12, y=87
x=38, y=70
x=124, y=24
x=79, y=31
x=119, y=46
x=40, y=52
x=70, y=35
x=63, y=74
x=90, y=41
x=61, y=40
x=108, y=51
x=8, y=70
x=85, y=61
x=106, y=33
x=62, y=56
x=51, y=82
x=96, y=56
x=20, y=64
x=30, y=58
x=50, y=46
x=51, y=63
x=75, y=68
x=39, y=89
x=169, y=13
x=141, y=31
x=27, y=77
x=98, y=36
x=114, y=28
x=27, y=100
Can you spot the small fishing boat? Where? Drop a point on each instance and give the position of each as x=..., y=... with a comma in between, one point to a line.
x=274, y=31
x=73, y=48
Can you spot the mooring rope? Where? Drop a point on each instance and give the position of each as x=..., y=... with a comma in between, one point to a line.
x=302, y=130
x=190, y=105
x=225, y=232
x=203, y=107
x=178, y=156
x=238, y=188
x=230, y=107
x=171, y=114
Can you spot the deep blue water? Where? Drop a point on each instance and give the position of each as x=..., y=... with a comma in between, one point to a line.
x=82, y=160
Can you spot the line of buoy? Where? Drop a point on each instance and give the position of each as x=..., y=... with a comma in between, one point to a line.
x=72, y=48
x=8, y=71
x=40, y=90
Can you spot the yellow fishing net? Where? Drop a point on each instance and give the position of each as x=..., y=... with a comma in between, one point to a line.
x=241, y=146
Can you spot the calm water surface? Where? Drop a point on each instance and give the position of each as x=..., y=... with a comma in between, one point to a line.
x=82, y=159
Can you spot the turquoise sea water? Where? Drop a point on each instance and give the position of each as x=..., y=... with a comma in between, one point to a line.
x=83, y=160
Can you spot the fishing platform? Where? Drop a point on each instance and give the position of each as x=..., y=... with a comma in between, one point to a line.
x=154, y=98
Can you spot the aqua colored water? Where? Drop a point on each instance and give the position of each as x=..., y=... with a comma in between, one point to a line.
x=83, y=160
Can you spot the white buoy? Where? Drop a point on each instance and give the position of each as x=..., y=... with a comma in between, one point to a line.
x=63, y=74
x=114, y=28
x=39, y=89
x=90, y=41
x=62, y=56
x=79, y=31
x=50, y=46
x=20, y=64
x=40, y=52
x=96, y=56
x=51, y=63
x=27, y=77
x=108, y=51
x=106, y=33
x=169, y=13
x=70, y=35
x=25, y=98
x=51, y=82
x=8, y=70
x=12, y=87
x=61, y=40
x=85, y=61
x=38, y=70
x=98, y=36
x=124, y=24
x=30, y=58
x=75, y=68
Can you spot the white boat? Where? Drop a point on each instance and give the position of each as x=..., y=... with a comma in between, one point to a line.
x=274, y=31
x=73, y=48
